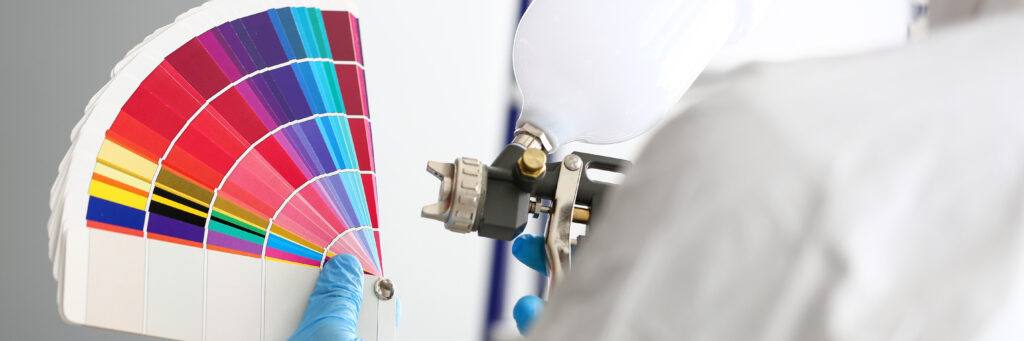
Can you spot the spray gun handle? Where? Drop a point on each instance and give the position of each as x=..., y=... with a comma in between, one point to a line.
x=557, y=238
x=571, y=183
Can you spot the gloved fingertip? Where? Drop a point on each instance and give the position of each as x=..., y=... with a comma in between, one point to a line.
x=343, y=262
x=341, y=272
x=517, y=244
x=529, y=249
x=526, y=311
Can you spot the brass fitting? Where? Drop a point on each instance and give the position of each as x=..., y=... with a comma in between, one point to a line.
x=580, y=215
x=533, y=163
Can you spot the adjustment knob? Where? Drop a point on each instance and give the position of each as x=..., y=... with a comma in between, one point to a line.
x=532, y=163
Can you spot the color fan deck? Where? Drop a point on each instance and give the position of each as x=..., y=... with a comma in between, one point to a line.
x=229, y=157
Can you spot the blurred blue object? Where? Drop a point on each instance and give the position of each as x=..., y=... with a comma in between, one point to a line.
x=529, y=249
x=334, y=305
x=526, y=311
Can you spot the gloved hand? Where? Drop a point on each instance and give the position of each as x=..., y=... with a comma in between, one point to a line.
x=529, y=249
x=334, y=305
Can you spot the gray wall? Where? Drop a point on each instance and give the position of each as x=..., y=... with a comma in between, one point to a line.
x=55, y=55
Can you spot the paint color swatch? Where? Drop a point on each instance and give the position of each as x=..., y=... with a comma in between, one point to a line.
x=229, y=157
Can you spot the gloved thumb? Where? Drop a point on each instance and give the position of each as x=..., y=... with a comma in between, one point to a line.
x=333, y=308
x=526, y=311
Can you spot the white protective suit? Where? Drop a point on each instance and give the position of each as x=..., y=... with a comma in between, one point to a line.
x=873, y=197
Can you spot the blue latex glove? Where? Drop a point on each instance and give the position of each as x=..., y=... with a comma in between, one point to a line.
x=334, y=305
x=529, y=249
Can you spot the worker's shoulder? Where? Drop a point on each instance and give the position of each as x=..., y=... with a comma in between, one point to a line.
x=964, y=82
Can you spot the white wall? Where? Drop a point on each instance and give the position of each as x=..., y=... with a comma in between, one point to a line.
x=438, y=75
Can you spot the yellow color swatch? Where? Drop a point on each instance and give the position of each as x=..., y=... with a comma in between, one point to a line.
x=111, y=193
x=120, y=158
x=122, y=177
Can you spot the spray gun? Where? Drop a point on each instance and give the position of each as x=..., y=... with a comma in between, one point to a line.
x=496, y=200
x=592, y=71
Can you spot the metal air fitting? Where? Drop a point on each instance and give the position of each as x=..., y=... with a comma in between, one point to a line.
x=532, y=163
x=529, y=136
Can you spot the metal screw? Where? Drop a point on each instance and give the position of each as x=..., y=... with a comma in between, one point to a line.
x=538, y=208
x=384, y=289
x=572, y=162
